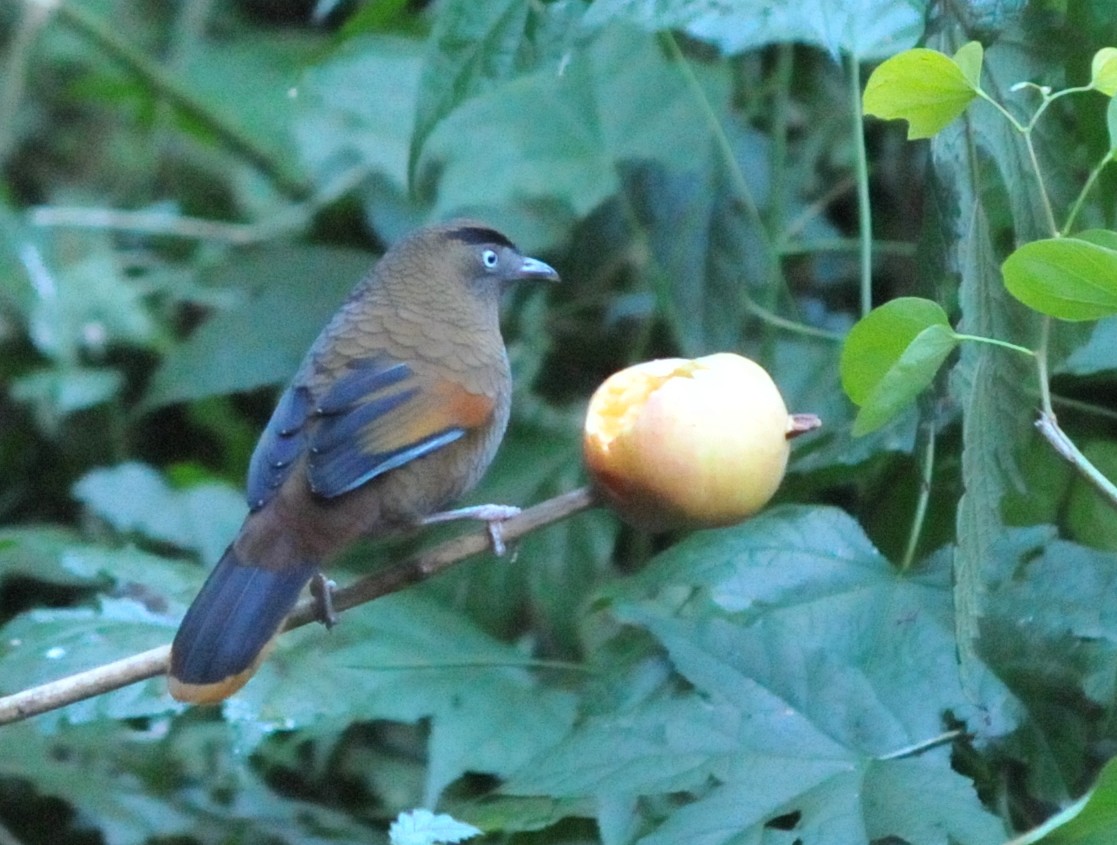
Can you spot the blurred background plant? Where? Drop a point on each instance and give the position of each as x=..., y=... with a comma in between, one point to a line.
x=189, y=190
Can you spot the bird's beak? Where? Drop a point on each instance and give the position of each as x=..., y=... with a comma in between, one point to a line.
x=532, y=269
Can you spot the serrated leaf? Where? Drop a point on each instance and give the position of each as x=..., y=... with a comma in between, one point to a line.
x=422, y=827
x=808, y=661
x=1103, y=71
x=923, y=87
x=405, y=657
x=891, y=355
x=1068, y=278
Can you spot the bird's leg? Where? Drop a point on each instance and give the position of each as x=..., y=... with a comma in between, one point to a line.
x=322, y=588
x=492, y=515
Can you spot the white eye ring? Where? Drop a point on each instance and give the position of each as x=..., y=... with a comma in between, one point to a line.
x=489, y=258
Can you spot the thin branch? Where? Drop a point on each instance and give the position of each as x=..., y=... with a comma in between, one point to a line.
x=287, y=220
x=1049, y=427
x=918, y=748
x=148, y=664
x=864, y=206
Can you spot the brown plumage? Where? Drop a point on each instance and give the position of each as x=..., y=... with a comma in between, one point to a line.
x=395, y=412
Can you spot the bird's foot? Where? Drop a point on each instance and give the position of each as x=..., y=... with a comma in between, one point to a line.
x=493, y=515
x=322, y=588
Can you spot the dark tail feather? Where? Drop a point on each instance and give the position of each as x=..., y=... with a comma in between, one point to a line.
x=226, y=632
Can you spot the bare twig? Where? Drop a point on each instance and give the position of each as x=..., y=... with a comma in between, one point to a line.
x=148, y=664
x=1049, y=427
x=287, y=220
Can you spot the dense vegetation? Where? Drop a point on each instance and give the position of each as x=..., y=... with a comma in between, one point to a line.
x=916, y=643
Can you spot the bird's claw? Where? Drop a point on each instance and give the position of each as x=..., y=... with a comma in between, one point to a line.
x=322, y=588
x=493, y=516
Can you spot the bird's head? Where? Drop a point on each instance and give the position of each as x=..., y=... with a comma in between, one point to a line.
x=461, y=263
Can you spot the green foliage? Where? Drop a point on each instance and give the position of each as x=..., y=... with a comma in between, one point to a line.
x=891, y=356
x=916, y=644
x=923, y=87
x=1103, y=71
x=1069, y=278
x=812, y=671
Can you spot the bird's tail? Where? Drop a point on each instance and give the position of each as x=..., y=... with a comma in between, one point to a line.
x=229, y=627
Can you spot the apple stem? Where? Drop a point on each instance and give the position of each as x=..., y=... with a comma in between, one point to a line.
x=802, y=423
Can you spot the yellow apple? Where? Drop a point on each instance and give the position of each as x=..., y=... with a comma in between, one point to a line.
x=689, y=443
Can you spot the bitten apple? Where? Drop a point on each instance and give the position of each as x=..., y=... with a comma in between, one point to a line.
x=689, y=443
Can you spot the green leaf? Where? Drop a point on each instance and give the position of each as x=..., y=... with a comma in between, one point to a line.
x=1049, y=629
x=923, y=87
x=36, y=552
x=261, y=340
x=472, y=45
x=808, y=666
x=969, y=59
x=1096, y=354
x=891, y=355
x=1103, y=71
x=57, y=392
x=809, y=377
x=47, y=644
x=1068, y=278
x=358, y=105
x=868, y=29
x=912, y=373
x=245, y=81
x=701, y=242
x=1089, y=515
x=88, y=303
x=1101, y=237
x=1111, y=122
x=555, y=140
x=407, y=658
x=115, y=777
x=1091, y=820
x=135, y=497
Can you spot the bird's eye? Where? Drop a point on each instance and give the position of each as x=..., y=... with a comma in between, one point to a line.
x=489, y=258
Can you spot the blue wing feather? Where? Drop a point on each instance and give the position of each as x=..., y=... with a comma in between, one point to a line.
x=279, y=447
x=366, y=377
x=328, y=430
x=337, y=431
x=346, y=467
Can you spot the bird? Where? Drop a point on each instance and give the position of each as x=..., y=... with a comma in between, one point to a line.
x=395, y=412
